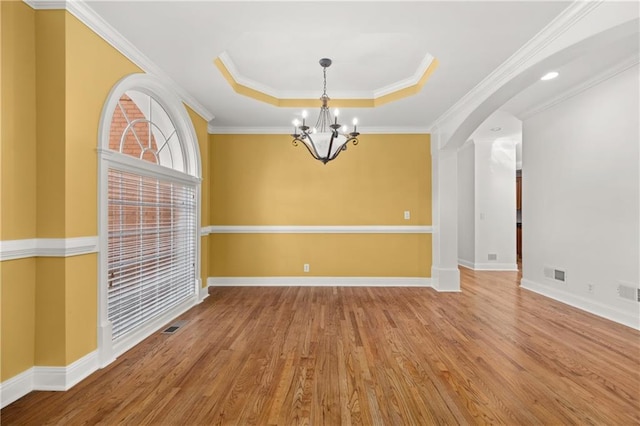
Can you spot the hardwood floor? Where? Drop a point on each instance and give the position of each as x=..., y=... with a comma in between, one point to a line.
x=336, y=356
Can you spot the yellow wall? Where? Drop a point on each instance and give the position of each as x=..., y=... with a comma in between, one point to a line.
x=76, y=69
x=18, y=178
x=17, y=184
x=93, y=68
x=50, y=339
x=18, y=279
x=332, y=255
x=55, y=77
x=50, y=71
x=264, y=180
x=81, y=306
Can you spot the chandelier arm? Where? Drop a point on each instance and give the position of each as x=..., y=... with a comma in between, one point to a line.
x=344, y=148
x=333, y=135
x=313, y=152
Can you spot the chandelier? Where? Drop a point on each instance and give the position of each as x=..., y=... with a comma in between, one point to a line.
x=327, y=138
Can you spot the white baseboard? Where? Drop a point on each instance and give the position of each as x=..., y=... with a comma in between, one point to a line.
x=466, y=263
x=16, y=387
x=611, y=313
x=47, y=378
x=445, y=279
x=488, y=266
x=204, y=293
x=320, y=281
x=496, y=267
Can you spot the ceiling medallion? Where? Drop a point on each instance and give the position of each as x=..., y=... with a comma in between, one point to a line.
x=327, y=138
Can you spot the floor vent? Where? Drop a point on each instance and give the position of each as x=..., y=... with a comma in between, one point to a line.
x=628, y=292
x=174, y=327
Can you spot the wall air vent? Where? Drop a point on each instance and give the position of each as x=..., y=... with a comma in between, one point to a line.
x=492, y=256
x=174, y=327
x=629, y=292
x=555, y=274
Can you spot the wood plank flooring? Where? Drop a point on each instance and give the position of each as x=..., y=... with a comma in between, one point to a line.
x=494, y=353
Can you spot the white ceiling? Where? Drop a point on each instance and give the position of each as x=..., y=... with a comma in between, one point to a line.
x=591, y=66
x=373, y=44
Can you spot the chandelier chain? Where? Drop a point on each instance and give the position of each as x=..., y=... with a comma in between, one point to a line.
x=324, y=71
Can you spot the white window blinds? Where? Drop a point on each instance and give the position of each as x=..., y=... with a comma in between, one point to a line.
x=151, y=256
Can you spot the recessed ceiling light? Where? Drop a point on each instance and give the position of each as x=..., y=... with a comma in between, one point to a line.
x=496, y=129
x=549, y=76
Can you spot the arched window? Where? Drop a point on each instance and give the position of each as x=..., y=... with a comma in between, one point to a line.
x=149, y=221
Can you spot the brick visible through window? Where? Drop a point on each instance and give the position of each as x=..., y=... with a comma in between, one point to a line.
x=135, y=135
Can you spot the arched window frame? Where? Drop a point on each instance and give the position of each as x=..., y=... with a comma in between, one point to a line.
x=107, y=158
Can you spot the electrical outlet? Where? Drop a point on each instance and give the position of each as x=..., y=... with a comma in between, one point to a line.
x=590, y=288
x=306, y=267
x=407, y=215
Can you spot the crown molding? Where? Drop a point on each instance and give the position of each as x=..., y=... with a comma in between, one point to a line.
x=517, y=62
x=223, y=130
x=241, y=80
x=47, y=4
x=86, y=15
x=407, y=82
x=382, y=130
x=581, y=87
x=397, y=86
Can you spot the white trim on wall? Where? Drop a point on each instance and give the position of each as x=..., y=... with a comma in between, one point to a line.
x=203, y=293
x=47, y=247
x=47, y=4
x=488, y=266
x=465, y=263
x=319, y=229
x=513, y=267
x=319, y=281
x=16, y=387
x=47, y=378
x=592, y=306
